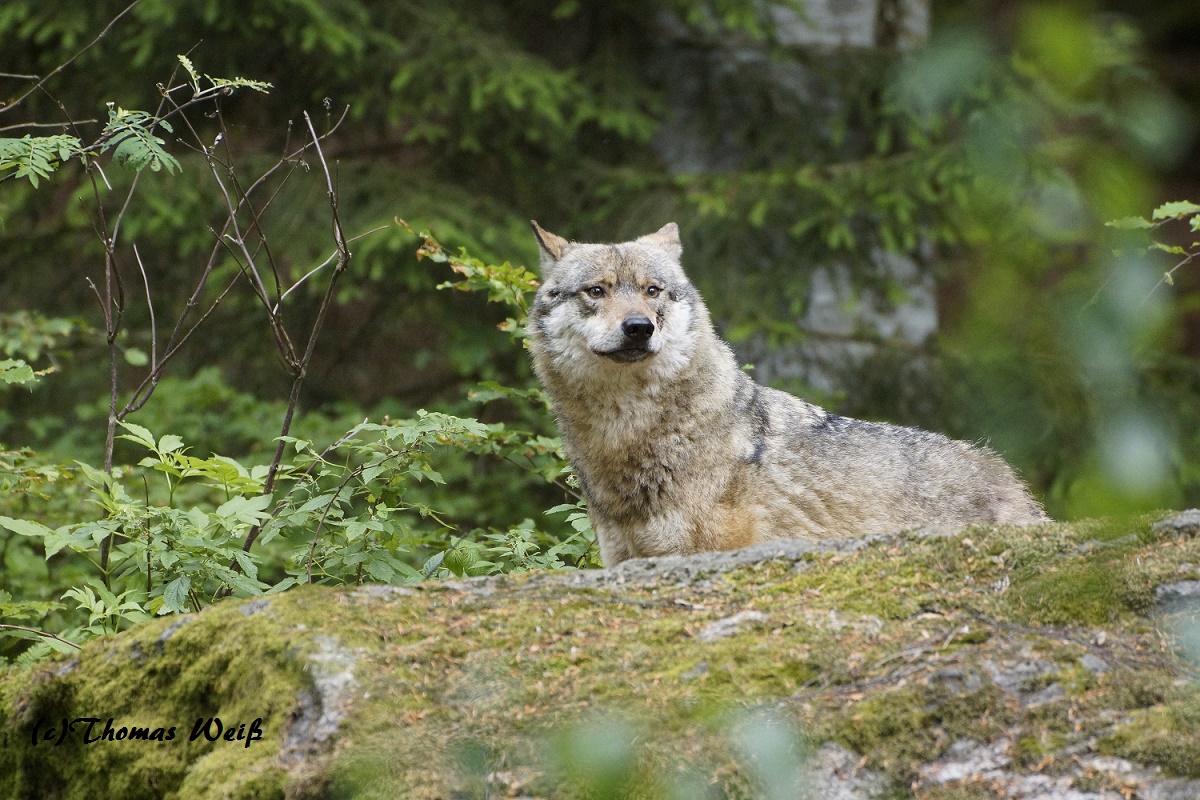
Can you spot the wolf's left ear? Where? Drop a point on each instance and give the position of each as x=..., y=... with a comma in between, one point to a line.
x=666, y=237
x=551, y=246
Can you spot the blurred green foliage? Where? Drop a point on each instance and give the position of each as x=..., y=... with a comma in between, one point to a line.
x=992, y=156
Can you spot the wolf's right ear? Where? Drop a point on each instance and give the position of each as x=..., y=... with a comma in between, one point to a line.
x=666, y=237
x=551, y=246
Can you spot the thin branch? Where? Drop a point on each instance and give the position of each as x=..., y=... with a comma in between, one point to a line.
x=149, y=305
x=232, y=233
x=150, y=381
x=64, y=125
x=320, y=459
x=182, y=332
x=301, y=372
x=320, y=154
x=95, y=291
x=332, y=257
x=312, y=550
x=104, y=177
x=70, y=60
x=1168, y=276
x=194, y=300
x=255, y=219
x=113, y=308
x=355, y=473
x=42, y=633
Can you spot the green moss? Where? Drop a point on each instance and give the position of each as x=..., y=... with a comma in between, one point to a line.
x=1078, y=591
x=165, y=674
x=1134, y=689
x=1039, y=745
x=901, y=728
x=886, y=650
x=1167, y=735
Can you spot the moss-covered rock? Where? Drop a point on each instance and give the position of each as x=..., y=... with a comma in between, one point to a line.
x=975, y=664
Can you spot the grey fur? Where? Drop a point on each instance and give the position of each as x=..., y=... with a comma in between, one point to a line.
x=679, y=451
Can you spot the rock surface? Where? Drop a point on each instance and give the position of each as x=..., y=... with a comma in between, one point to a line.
x=1035, y=663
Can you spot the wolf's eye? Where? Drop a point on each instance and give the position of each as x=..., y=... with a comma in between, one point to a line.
x=595, y=292
x=652, y=291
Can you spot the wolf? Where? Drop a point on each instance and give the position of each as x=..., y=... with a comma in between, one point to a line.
x=678, y=450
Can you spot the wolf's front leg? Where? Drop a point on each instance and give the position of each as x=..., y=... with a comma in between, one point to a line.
x=614, y=547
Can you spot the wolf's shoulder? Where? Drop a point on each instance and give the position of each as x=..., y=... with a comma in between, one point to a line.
x=793, y=418
x=789, y=412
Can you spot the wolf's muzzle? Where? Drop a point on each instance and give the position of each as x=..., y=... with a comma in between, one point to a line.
x=636, y=345
x=637, y=330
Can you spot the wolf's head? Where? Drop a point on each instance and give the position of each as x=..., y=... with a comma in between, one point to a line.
x=624, y=303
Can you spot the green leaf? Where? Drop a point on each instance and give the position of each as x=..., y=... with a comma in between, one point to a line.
x=136, y=357
x=286, y=583
x=1173, y=249
x=246, y=563
x=1129, y=223
x=83, y=596
x=1175, y=209
x=380, y=570
x=354, y=530
x=129, y=135
x=169, y=443
x=175, y=596
x=79, y=538
x=57, y=646
x=191, y=71
x=24, y=527
x=138, y=434
x=34, y=157
x=245, y=510
x=244, y=584
x=197, y=518
x=16, y=371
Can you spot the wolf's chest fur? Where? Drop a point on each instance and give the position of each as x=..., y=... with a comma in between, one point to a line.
x=678, y=451
x=631, y=457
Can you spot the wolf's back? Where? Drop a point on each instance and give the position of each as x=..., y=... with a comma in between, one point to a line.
x=859, y=477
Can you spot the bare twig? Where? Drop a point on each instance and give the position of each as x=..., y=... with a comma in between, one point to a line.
x=149, y=305
x=301, y=369
x=42, y=633
x=312, y=549
x=256, y=221
x=113, y=306
x=320, y=459
x=332, y=257
x=233, y=239
x=23, y=125
x=148, y=384
x=182, y=332
x=1168, y=276
x=70, y=60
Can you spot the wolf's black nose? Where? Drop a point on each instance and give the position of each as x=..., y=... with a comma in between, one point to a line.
x=638, y=328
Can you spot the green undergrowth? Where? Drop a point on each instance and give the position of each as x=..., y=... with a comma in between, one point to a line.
x=531, y=686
